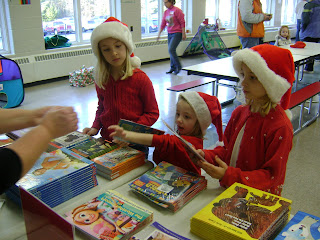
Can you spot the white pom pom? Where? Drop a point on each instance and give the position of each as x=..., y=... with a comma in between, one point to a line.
x=135, y=62
x=219, y=144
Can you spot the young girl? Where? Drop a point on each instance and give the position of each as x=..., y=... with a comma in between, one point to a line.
x=283, y=36
x=123, y=90
x=258, y=137
x=194, y=113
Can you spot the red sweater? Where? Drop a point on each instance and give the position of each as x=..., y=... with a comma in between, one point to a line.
x=170, y=149
x=132, y=99
x=264, y=149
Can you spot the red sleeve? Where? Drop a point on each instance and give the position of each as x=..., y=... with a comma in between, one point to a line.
x=147, y=95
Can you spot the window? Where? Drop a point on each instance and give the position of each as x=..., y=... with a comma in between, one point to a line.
x=74, y=19
x=4, y=43
x=151, y=17
x=226, y=14
x=288, y=15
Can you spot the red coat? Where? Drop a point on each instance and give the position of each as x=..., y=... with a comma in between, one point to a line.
x=132, y=99
x=170, y=149
x=264, y=149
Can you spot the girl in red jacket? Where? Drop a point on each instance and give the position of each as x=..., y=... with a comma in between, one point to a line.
x=258, y=137
x=123, y=90
x=195, y=111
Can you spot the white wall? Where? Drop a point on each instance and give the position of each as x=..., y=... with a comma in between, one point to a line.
x=28, y=42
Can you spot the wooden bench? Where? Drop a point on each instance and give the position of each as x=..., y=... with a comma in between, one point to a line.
x=300, y=97
x=188, y=85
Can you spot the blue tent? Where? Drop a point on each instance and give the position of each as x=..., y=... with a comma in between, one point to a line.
x=11, y=83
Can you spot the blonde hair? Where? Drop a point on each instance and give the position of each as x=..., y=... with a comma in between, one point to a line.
x=282, y=27
x=196, y=132
x=265, y=108
x=103, y=69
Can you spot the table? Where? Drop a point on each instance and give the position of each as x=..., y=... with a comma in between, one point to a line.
x=11, y=218
x=311, y=49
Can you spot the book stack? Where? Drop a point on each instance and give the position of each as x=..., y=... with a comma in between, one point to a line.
x=242, y=212
x=302, y=226
x=118, y=161
x=57, y=177
x=109, y=216
x=169, y=186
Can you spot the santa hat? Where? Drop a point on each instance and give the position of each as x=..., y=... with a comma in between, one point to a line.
x=207, y=109
x=112, y=27
x=298, y=44
x=274, y=68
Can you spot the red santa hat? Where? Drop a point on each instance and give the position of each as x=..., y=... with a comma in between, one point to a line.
x=113, y=28
x=274, y=68
x=207, y=109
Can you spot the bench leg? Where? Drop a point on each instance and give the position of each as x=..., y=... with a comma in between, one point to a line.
x=216, y=87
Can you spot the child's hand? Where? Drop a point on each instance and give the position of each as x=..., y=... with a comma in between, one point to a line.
x=118, y=135
x=90, y=131
x=214, y=171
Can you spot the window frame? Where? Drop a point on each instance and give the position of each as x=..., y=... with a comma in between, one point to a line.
x=4, y=28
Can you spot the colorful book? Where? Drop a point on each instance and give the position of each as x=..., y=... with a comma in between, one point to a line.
x=5, y=140
x=242, y=212
x=136, y=127
x=69, y=139
x=58, y=176
x=169, y=186
x=109, y=216
x=301, y=226
x=118, y=160
x=92, y=147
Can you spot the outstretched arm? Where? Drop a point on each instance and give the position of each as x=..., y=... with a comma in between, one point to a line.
x=120, y=134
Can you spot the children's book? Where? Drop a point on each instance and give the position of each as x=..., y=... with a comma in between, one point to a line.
x=109, y=216
x=18, y=133
x=169, y=186
x=163, y=233
x=69, y=139
x=136, y=127
x=92, y=147
x=5, y=140
x=58, y=176
x=301, y=226
x=118, y=161
x=242, y=212
x=186, y=143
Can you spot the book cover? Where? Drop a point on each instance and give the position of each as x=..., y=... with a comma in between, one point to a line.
x=69, y=139
x=136, y=127
x=5, y=140
x=168, y=184
x=302, y=226
x=51, y=166
x=118, y=157
x=242, y=212
x=109, y=216
x=92, y=147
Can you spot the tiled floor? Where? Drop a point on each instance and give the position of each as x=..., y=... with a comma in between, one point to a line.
x=303, y=166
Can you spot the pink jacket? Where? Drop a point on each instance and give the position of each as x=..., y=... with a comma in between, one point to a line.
x=264, y=149
x=173, y=19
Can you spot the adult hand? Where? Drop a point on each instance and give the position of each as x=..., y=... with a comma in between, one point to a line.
x=214, y=171
x=184, y=36
x=267, y=17
x=90, y=131
x=60, y=121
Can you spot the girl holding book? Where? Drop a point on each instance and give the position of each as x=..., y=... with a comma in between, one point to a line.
x=123, y=90
x=258, y=137
x=195, y=111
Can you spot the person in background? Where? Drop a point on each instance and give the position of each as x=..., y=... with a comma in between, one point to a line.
x=48, y=123
x=298, y=11
x=124, y=91
x=283, y=36
x=195, y=111
x=250, y=27
x=310, y=30
x=258, y=136
x=173, y=20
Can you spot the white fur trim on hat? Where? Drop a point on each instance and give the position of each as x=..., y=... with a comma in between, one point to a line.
x=200, y=108
x=112, y=29
x=275, y=85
